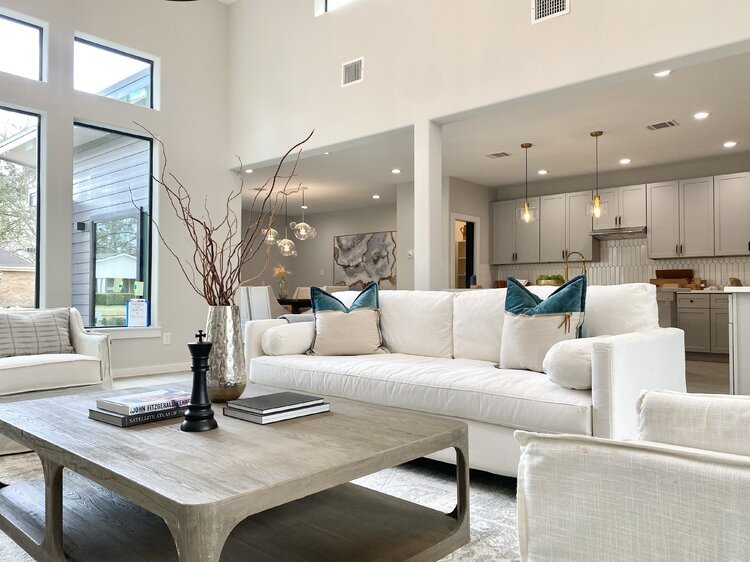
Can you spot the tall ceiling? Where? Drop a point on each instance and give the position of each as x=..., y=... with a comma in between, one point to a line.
x=558, y=124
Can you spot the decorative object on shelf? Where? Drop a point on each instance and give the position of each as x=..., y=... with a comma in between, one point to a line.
x=199, y=415
x=598, y=206
x=219, y=252
x=359, y=259
x=286, y=246
x=281, y=272
x=302, y=230
x=551, y=280
x=526, y=214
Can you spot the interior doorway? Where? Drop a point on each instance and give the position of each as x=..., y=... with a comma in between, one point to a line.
x=463, y=243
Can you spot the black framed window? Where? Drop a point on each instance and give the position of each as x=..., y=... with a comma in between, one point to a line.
x=20, y=48
x=19, y=208
x=112, y=73
x=112, y=196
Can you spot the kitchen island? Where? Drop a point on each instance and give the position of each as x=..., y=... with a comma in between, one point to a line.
x=739, y=339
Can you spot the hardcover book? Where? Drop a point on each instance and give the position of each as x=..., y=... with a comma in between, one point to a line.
x=121, y=420
x=144, y=402
x=279, y=416
x=276, y=402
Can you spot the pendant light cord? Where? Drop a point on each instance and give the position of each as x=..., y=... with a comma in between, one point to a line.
x=526, y=150
x=596, y=150
x=286, y=215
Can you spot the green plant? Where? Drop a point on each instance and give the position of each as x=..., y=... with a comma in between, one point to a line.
x=543, y=277
x=557, y=278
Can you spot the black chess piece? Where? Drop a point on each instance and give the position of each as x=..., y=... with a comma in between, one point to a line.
x=199, y=415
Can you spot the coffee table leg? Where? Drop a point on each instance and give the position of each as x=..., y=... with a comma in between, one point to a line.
x=52, y=543
x=461, y=512
x=199, y=537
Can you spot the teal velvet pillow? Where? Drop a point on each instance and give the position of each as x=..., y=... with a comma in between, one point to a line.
x=533, y=325
x=342, y=330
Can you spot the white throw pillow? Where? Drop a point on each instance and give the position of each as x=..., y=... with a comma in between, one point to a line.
x=527, y=339
x=568, y=363
x=289, y=339
x=356, y=332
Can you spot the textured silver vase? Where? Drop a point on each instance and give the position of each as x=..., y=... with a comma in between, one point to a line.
x=227, y=377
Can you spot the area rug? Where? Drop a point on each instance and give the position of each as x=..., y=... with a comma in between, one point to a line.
x=429, y=483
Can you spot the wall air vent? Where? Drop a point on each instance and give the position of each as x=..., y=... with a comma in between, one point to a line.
x=542, y=10
x=495, y=155
x=352, y=72
x=662, y=125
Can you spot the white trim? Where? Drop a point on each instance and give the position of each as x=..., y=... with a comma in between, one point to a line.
x=150, y=370
x=125, y=333
x=452, y=244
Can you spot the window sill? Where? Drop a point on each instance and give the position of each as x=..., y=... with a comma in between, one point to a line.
x=125, y=333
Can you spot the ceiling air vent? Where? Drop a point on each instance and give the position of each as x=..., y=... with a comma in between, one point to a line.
x=662, y=125
x=352, y=72
x=495, y=155
x=542, y=10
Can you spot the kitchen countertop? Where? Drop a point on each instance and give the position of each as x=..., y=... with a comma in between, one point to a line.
x=717, y=291
x=737, y=289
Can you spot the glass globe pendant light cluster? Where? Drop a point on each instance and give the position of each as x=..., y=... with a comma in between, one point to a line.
x=286, y=246
x=302, y=230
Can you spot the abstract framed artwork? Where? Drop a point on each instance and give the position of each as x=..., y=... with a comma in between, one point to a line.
x=361, y=258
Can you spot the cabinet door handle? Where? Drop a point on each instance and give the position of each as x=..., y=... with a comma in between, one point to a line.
x=676, y=248
x=682, y=251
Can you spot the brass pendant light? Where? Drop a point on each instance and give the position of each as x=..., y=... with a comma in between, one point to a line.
x=598, y=206
x=527, y=213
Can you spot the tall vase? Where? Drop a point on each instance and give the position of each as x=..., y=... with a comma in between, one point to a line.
x=227, y=377
x=283, y=291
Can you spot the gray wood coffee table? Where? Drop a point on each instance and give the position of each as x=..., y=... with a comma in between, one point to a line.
x=241, y=492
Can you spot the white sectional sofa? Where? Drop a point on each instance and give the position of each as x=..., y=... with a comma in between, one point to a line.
x=24, y=377
x=445, y=346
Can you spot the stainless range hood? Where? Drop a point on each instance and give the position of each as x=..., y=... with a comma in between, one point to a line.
x=620, y=233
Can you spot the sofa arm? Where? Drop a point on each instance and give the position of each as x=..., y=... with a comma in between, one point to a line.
x=91, y=344
x=714, y=422
x=583, y=498
x=625, y=365
x=254, y=330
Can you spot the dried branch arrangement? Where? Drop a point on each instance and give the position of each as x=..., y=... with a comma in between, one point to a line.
x=214, y=270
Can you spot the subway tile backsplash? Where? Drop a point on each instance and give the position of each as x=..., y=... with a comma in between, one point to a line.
x=626, y=261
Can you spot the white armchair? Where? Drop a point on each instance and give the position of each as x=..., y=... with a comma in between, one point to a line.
x=88, y=368
x=679, y=493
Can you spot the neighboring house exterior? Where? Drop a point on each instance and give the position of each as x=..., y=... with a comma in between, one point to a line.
x=17, y=281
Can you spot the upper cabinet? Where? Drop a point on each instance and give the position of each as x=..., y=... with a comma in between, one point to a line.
x=626, y=207
x=732, y=214
x=514, y=241
x=552, y=227
x=680, y=218
x=565, y=227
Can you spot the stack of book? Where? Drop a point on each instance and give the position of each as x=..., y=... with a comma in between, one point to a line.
x=275, y=407
x=143, y=407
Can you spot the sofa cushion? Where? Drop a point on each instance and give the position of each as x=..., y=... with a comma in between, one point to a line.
x=46, y=372
x=289, y=339
x=418, y=322
x=620, y=309
x=30, y=332
x=533, y=325
x=478, y=324
x=346, y=330
x=461, y=388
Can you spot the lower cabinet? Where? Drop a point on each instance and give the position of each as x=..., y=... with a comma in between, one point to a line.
x=705, y=320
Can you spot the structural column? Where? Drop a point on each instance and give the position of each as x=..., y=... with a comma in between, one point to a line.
x=428, y=205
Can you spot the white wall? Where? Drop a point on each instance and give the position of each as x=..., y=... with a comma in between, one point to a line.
x=316, y=255
x=405, y=241
x=428, y=59
x=189, y=40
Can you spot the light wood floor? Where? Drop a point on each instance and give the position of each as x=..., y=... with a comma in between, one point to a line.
x=707, y=377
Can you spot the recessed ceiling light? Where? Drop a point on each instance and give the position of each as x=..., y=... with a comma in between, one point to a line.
x=662, y=73
x=326, y=153
x=395, y=171
x=249, y=171
x=730, y=144
x=542, y=172
x=304, y=207
x=375, y=196
x=701, y=115
x=625, y=161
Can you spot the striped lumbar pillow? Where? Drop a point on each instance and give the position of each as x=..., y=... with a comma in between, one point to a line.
x=32, y=332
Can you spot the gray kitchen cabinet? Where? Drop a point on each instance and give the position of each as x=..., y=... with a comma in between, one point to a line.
x=680, y=218
x=626, y=207
x=514, y=241
x=732, y=214
x=565, y=227
x=704, y=317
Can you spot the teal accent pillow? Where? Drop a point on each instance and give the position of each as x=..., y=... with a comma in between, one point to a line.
x=322, y=300
x=533, y=325
x=342, y=330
